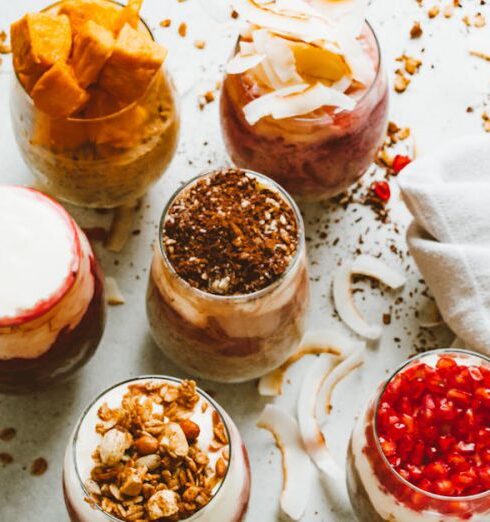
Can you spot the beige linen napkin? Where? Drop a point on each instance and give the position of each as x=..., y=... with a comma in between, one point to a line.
x=448, y=194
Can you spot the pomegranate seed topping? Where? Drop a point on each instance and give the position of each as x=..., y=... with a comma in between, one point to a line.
x=434, y=428
x=381, y=190
x=400, y=162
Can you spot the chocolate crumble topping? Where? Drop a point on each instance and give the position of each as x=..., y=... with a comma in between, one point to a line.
x=229, y=234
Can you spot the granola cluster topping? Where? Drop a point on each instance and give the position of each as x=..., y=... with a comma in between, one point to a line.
x=230, y=234
x=153, y=462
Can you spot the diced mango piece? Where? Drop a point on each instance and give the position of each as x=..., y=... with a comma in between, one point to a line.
x=101, y=12
x=92, y=47
x=133, y=63
x=57, y=92
x=100, y=104
x=38, y=41
x=320, y=64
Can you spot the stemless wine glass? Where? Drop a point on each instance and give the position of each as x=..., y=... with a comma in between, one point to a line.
x=379, y=493
x=59, y=330
x=101, y=162
x=315, y=156
x=228, y=338
x=229, y=501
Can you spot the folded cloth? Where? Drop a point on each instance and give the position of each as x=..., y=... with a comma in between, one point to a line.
x=448, y=194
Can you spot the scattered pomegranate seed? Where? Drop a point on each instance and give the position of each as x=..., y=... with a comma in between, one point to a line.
x=433, y=424
x=400, y=162
x=381, y=189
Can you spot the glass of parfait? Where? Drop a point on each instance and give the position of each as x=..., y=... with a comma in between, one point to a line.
x=421, y=449
x=52, y=307
x=305, y=97
x=228, y=288
x=156, y=448
x=93, y=108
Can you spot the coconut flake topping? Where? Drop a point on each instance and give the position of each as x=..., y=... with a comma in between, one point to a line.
x=301, y=51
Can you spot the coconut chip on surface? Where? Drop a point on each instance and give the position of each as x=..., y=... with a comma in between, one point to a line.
x=310, y=47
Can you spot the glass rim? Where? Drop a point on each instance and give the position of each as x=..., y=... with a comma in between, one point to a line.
x=236, y=298
x=399, y=369
x=112, y=115
x=379, y=69
x=128, y=381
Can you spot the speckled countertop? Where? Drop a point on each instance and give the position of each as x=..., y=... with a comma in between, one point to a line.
x=434, y=107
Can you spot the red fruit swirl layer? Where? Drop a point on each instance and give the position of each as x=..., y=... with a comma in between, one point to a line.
x=433, y=426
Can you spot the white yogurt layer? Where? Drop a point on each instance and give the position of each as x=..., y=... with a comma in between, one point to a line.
x=45, y=247
x=223, y=506
x=37, y=252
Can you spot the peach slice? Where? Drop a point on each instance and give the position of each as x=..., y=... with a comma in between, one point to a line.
x=316, y=63
x=57, y=92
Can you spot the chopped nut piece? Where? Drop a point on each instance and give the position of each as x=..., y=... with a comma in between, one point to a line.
x=433, y=11
x=486, y=121
x=190, y=429
x=6, y=459
x=133, y=483
x=151, y=462
x=401, y=81
x=7, y=434
x=448, y=11
x=174, y=440
x=113, y=446
x=416, y=30
x=182, y=29
x=479, y=20
x=39, y=466
x=221, y=468
x=146, y=445
x=163, y=504
x=92, y=487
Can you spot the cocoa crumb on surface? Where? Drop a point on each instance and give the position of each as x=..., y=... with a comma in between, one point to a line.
x=6, y=459
x=228, y=234
x=7, y=434
x=39, y=466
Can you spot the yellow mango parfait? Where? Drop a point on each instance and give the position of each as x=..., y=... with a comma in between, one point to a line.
x=93, y=109
x=305, y=97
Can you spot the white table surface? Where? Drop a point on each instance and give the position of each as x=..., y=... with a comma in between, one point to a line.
x=434, y=107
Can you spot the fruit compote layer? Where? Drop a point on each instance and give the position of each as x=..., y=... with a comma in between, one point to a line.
x=423, y=449
x=315, y=156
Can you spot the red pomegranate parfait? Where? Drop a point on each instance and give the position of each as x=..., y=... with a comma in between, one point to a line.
x=52, y=307
x=422, y=449
x=305, y=98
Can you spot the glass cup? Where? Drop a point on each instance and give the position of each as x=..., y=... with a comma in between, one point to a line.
x=46, y=344
x=378, y=492
x=101, y=162
x=229, y=501
x=315, y=156
x=228, y=338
